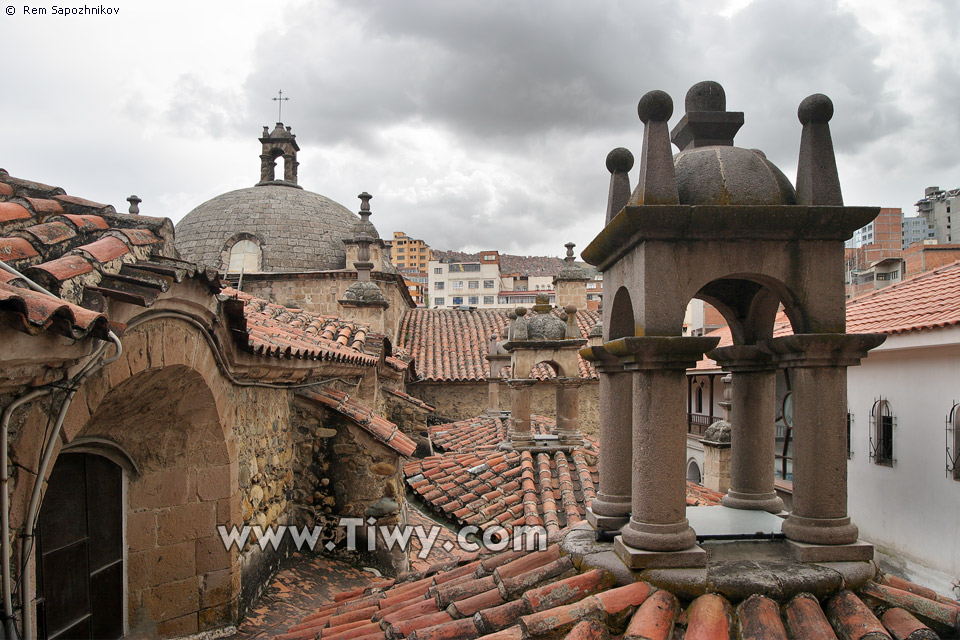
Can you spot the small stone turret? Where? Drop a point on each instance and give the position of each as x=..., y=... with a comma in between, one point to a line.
x=571, y=282
x=279, y=143
x=363, y=292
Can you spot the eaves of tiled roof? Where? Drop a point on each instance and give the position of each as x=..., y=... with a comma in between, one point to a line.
x=519, y=595
x=451, y=345
x=924, y=302
x=269, y=329
x=85, y=253
x=363, y=416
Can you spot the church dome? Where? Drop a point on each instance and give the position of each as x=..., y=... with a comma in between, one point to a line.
x=273, y=226
x=296, y=230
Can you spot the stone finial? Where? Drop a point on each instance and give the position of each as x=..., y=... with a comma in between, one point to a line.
x=365, y=199
x=818, y=182
x=658, y=181
x=595, y=337
x=518, y=324
x=619, y=164
x=706, y=122
x=570, y=270
x=134, y=205
x=570, y=318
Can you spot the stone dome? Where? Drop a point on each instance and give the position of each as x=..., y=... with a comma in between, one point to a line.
x=725, y=175
x=296, y=230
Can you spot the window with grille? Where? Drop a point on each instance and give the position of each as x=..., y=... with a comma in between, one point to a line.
x=882, y=423
x=473, y=284
x=458, y=301
x=953, y=442
x=487, y=299
x=488, y=284
x=474, y=300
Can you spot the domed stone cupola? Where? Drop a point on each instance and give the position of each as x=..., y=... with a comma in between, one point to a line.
x=709, y=169
x=275, y=226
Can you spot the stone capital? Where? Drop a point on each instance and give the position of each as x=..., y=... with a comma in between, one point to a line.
x=743, y=358
x=601, y=359
x=822, y=349
x=660, y=352
x=520, y=383
x=569, y=383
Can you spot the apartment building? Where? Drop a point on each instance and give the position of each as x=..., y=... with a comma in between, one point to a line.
x=410, y=255
x=936, y=206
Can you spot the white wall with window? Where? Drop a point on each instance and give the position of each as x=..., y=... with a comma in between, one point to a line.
x=904, y=488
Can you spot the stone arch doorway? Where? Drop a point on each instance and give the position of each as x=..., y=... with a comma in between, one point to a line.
x=165, y=406
x=179, y=578
x=80, y=557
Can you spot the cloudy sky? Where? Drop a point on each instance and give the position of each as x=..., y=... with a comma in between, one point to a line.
x=476, y=125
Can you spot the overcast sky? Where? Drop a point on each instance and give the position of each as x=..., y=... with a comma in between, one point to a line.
x=476, y=125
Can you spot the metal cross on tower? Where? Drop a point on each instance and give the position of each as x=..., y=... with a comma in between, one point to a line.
x=279, y=100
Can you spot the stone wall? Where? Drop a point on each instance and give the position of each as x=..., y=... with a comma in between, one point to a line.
x=344, y=473
x=462, y=400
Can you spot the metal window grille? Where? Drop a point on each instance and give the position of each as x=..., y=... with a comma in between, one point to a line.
x=882, y=425
x=952, y=436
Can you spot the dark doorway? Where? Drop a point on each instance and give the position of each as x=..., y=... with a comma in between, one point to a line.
x=80, y=550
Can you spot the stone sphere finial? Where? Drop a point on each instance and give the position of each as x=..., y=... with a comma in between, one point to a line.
x=520, y=311
x=655, y=105
x=706, y=96
x=619, y=160
x=570, y=309
x=134, y=204
x=815, y=109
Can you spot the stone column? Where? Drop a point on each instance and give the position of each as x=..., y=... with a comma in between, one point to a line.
x=658, y=522
x=568, y=405
x=493, y=396
x=752, y=436
x=520, y=409
x=611, y=508
x=818, y=365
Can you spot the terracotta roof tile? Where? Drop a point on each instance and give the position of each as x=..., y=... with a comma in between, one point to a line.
x=269, y=329
x=414, y=401
x=38, y=312
x=363, y=416
x=451, y=345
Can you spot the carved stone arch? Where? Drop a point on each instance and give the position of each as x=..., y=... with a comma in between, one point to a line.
x=749, y=303
x=163, y=410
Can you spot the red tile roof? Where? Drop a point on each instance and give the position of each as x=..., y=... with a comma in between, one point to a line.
x=522, y=595
x=270, y=329
x=83, y=252
x=363, y=416
x=451, y=344
x=926, y=301
x=476, y=483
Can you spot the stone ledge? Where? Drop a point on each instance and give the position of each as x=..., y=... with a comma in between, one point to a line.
x=639, y=559
x=859, y=551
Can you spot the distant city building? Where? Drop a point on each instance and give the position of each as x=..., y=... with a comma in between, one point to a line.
x=917, y=229
x=489, y=279
x=409, y=253
x=936, y=206
x=874, y=255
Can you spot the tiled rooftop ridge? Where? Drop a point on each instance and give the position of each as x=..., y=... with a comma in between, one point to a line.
x=451, y=344
x=363, y=416
x=270, y=329
x=538, y=595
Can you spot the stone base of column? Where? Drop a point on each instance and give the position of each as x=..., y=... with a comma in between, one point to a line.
x=690, y=557
x=605, y=522
x=858, y=551
x=756, y=501
x=676, y=536
x=820, y=531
